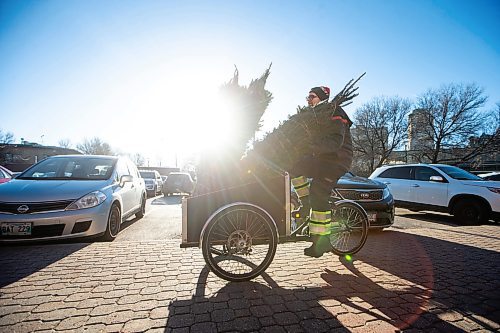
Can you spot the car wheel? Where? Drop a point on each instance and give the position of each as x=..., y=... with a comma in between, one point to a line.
x=142, y=211
x=470, y=212
x=114, y=224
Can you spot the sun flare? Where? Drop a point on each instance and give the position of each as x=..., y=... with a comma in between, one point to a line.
x=204, y=122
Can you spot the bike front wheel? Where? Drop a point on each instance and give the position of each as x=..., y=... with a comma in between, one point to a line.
x=239, y=242
x=349, y=227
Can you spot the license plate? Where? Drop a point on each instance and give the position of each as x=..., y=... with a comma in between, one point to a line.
x=372, y=216
x=16, y=229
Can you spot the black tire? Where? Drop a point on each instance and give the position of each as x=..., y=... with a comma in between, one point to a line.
x=470, y=212
x=349, y=227
x=114, y=224
x=239, y=242
x=142, y=211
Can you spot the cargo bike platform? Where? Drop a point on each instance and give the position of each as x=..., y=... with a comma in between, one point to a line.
x=238, y=228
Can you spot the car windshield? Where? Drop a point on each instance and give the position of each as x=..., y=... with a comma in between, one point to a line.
x=147, y=174
x=457, y=173
x=71, y=168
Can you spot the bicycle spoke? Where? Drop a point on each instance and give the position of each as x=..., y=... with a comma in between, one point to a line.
x=240, y=243
x=349, y=229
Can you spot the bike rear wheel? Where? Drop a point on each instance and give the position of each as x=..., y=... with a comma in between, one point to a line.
x=239, y=242
x=349, y=227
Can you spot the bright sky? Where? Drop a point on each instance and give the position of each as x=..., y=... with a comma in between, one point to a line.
x=141, y=75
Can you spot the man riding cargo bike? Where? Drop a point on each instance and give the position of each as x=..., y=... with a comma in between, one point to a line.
x=314, y=176
x=238, y=227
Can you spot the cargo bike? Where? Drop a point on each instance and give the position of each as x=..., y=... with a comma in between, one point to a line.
x=238, y=228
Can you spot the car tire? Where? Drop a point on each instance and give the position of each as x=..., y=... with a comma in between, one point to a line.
x=470, y=212
x=142, y=211
x=114, y=224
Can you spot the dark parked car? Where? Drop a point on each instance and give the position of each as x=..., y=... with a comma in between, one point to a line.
x=373, y=196
x=178, y=182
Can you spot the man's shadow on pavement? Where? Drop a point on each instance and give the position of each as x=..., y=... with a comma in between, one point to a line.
x=433, y=279
x=422, y=285
x=250, y=306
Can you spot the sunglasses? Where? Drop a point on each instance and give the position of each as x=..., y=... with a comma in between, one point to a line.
x=311, y=97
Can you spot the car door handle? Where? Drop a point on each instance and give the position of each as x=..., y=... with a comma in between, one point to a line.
x=415, y=185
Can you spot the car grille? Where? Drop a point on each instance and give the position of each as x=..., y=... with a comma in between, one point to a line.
x=361, y=195
x=34, y=207
x=40, y=231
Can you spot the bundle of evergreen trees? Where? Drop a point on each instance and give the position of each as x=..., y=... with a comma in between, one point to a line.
x=278, y=151
x=222, y=169
x=296, y=137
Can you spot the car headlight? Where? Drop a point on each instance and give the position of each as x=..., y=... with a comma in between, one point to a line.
x=90, y=200
x=386, y=193
x=494, y=189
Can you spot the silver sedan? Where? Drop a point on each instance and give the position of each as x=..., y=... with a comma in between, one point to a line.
x=71, y=196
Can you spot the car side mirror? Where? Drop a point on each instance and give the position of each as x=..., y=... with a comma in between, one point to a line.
x=126, y=178
x=438, y=179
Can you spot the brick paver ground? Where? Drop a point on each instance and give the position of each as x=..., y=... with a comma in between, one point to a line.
x=418, y=280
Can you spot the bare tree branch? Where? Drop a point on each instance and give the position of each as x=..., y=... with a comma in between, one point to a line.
x=381, y=128
x=453, y=115
x=94, y=146
x=6, y=137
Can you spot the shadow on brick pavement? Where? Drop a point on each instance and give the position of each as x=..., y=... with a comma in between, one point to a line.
x=435, y=285
x=23, y=262
x=439, y=282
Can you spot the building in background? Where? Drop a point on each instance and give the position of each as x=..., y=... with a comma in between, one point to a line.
x=420, y=140
x=419, y=130
x=18, y=157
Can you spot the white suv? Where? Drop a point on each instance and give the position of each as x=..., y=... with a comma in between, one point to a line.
x=442, y=188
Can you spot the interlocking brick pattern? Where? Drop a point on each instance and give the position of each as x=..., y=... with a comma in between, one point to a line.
x=418, y=280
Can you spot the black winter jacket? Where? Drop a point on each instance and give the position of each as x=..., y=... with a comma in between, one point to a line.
x=334, y=146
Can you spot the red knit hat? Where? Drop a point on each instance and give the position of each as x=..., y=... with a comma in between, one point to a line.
x=322, y=92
